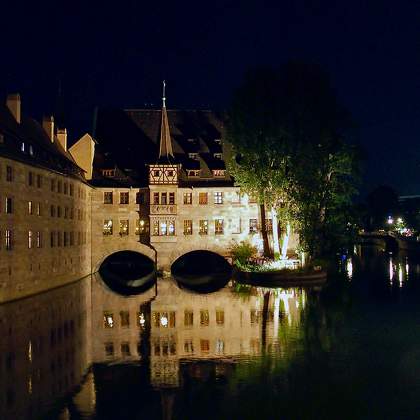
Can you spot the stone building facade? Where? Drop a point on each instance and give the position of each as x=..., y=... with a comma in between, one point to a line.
x=153, y=181
x=44, y=207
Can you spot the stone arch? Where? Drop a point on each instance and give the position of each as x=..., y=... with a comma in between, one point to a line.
x=178, y=253
x=139, y=248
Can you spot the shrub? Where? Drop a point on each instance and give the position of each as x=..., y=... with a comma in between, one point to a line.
x=242, y=252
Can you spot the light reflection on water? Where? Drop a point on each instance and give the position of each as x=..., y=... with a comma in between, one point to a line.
x=240, y=352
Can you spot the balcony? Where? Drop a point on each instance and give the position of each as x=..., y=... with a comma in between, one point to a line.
x=163, y=209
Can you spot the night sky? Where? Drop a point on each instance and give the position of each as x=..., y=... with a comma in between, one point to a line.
x=116, y=54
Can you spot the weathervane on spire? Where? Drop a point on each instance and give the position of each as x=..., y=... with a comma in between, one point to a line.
x=164, y=97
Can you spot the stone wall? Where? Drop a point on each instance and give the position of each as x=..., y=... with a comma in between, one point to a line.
x=30, y=201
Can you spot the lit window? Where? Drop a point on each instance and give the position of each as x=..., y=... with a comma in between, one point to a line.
x=253, y=225
x=22, y=147
x=188, y=318
x=171, y=198
x=124, y=197
x=202, y=198
x=193, y=172
x=141, y=320
x=107, y=228
x=156, y=198
x=30, y=234
x=188, y=198
x=187, y=227
x=220, y=346
x=204, y=317
x=193, y=156
x=163, y=228
x=38, y=239
x=156, y=227
x=108, y=320
x=205, y=345
x=218, y=141
x=220, y=317
x=218, y=226
x=171, y=228
x=124, y=227
x=38, y=209
x=203, y=227
x=30, y=207
x=108, y=197
x=218, y=156
x=31, y=150
x=218, y=172
x=188, y=346
x=108, y=172
x=142, y=226
x=8, y=239
x=9, y=205
x=218, y=197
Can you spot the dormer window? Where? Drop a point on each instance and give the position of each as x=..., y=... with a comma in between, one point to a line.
x=219, y=173
x=218, y=141
x=190, y=140
x=218, y=156
x=193, y=156
x=108, y=172
x=22, y=147
x=31, y=150
x=193, y=172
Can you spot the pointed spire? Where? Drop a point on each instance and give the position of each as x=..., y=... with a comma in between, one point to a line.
x=165, y=147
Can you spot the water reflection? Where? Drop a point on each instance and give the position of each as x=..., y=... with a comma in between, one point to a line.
x=84, y=351
x=44, y=350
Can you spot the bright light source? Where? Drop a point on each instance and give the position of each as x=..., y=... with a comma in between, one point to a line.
x=390, y=220
x=164, y=321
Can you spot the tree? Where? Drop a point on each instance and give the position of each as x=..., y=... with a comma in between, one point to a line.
x=288, y=133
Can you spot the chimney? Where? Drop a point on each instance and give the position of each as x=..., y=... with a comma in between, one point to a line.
x=13, y=103
x=48, y=126
x=62, y=137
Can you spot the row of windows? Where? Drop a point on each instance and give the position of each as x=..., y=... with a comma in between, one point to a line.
x=167, y=347
x=165, y=198
x=35, y=208
x=166, y=227
x=35, y=239
x=166, y=319
x=124, y=197
x=58, y=186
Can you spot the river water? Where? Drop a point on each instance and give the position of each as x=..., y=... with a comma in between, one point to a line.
x=347, y=350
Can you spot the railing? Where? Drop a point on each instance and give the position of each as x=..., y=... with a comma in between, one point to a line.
x=163, y=209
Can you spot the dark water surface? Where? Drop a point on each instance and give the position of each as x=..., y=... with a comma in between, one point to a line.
x=347, y=350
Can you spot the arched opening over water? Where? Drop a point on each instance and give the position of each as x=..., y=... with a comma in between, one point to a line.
x=128, y=272
x=201, y=271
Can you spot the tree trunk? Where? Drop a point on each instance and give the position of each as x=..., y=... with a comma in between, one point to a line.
x=275, y=227
x=266, y=245
x=285, y=244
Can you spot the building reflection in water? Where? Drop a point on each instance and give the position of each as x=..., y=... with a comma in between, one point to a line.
x=44, y=349
x=50, y=341
x=184, y=327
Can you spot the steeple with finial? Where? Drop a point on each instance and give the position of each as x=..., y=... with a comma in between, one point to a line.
x=165, y=146
x=165, y=171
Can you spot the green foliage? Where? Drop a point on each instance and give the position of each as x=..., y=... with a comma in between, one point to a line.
x=242, y=252
x=288, y=136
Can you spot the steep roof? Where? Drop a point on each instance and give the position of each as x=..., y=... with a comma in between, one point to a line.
x=28, y=142
x=131, y=139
